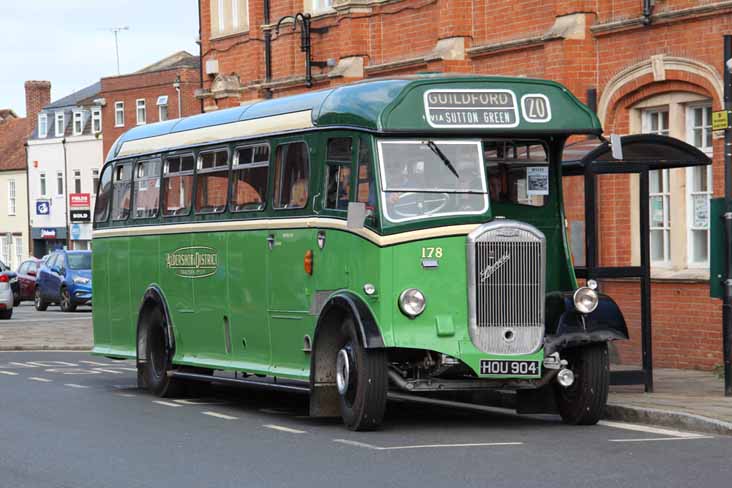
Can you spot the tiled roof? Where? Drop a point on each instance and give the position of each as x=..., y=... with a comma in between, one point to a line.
x=77, y=98
x=7, y=113
x=13, y=134
x=181, y=59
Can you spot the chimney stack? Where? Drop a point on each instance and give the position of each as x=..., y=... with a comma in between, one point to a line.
x=37, y=96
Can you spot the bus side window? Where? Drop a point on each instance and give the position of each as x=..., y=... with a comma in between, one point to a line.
x=104, y=192
x=249, y=178
x=292, y=174
x=338, y=176
x=147, y=189
x=178, y=185
x=366, y=191
x=121, y=191
x=212, y=181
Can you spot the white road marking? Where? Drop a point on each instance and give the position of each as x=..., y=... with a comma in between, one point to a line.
x=425, y=446
x=74, y=385
x=650, y=430
x=50, y=364
x=94, y=363
x=75, y=371
x=199, y=402
x=128, y=395
x=664, y=439
x=167, y=404
x=42, y=380
x=134, y=370
x=220, y=415
x=9, y=373
x=114, y=371
x=21, y=365
x=284, y=429
x=76, y=319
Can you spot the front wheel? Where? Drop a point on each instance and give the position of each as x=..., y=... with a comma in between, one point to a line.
x=362, y=381
x=67, y=305
x=40, y=304
x=154, y=370
x=583, y=403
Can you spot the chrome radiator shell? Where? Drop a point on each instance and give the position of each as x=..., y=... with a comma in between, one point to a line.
x=507, y=286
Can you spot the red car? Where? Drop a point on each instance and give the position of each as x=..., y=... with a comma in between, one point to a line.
x=27, y=272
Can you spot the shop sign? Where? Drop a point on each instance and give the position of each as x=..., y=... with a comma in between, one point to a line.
x=48, y=233
x=79, y=200
x=83, y=215
x=43, y=207
x=471, y=108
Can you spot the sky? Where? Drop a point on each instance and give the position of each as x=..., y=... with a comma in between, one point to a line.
x=69, y=42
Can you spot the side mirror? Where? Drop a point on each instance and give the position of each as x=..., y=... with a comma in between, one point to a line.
x=356, y=215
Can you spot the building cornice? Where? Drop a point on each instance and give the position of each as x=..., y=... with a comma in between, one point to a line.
x=669, y=17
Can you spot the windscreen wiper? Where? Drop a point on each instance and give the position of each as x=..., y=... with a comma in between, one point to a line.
x=442, y=156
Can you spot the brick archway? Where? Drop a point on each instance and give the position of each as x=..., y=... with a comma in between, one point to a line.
x=655, y=75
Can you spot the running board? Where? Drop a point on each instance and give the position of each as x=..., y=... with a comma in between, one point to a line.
x=394, y=396
x=261, y=384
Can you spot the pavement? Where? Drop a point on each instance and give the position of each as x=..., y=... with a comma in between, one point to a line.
x=70, y=419
x=682, y=398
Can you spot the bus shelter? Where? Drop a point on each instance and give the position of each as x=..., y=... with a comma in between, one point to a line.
x=632, y=154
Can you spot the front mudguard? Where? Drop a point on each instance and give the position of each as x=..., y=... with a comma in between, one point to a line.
x=566, y=327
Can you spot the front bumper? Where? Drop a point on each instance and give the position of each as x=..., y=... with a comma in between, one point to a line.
x=80, y=295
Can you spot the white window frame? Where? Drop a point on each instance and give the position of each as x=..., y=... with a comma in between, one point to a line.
x=42, y=125
x=59, y=183
x=222, y=16
x=119, y=114
x=19, y=249
x=140, y=106
x=77, y=181
x=60, y=124
x=318, y=6
x=12, y=197
x=78, y=123
x=690, y=177
x=42, y=184
x=665, y=194
x=162, y=103
x=96, y=120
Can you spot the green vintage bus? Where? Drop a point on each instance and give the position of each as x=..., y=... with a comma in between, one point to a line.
x=389, y=237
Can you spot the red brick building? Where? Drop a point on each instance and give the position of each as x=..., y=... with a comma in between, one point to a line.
x=655, y=67
x=150, y=95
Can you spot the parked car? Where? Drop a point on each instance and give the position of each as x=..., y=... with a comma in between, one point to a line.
x=27, y=274
x=65, y=278
x=8, y=280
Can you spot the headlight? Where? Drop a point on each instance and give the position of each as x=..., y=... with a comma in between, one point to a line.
x=412, y=302
x=81, y=281
x=585, y=299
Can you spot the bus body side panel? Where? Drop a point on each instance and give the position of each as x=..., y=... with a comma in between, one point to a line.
x=206, y=334
x=178, y=291
x=145, y=254
x=246, y=275
x=122, y=317
x=101, y=279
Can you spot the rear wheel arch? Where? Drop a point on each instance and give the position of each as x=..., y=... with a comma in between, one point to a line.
x=154, y=298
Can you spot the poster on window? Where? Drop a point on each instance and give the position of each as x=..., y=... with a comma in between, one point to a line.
x=701, y=211
x=537, y=178
x=656, y=211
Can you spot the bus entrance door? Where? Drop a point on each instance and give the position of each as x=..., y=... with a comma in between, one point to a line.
x=290, y=288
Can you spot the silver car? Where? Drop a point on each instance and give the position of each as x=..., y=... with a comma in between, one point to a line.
x=6, y=297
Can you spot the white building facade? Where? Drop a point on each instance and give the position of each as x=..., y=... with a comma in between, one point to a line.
x=64, y=159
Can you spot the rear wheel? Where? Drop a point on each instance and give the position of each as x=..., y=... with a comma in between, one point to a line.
x=67, y=305
x=584, y=402
x=362, y=381
x=158, y=359
x=6, y=314
x=40, y=304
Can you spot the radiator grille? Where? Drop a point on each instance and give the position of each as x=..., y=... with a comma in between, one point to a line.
x=507, y=261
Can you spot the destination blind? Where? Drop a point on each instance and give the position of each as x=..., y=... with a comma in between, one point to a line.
x=471, y=108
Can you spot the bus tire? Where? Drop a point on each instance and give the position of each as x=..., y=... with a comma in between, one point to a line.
x=158, y=362
x=583, y=403
x=40, y=304
x=362, y=381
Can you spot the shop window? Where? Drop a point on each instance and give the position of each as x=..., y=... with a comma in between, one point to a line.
x=699, y=185
x=249, y=178
x=178, y=185
x=212, y=181
x=147, y=189
x=121, y=191
x=292, y=174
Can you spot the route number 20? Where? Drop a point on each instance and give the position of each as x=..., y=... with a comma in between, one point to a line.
x=431, y=252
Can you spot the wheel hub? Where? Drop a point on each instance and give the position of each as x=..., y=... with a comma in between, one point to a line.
x=343, y=371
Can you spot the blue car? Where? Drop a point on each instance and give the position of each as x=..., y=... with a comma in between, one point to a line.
x=64, y=278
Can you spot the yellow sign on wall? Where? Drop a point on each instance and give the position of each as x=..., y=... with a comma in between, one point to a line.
x=720, y=120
